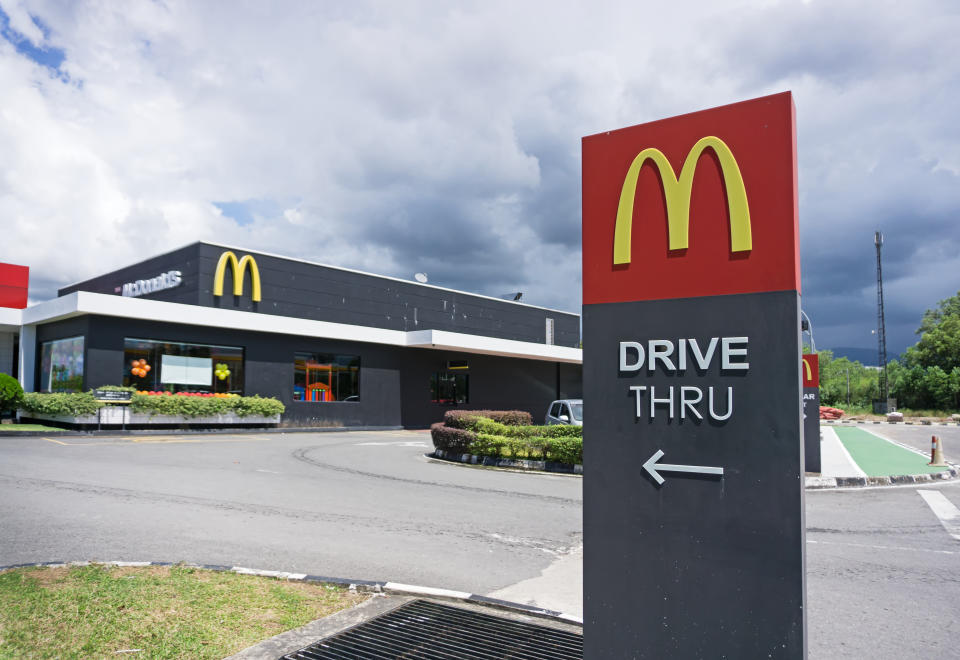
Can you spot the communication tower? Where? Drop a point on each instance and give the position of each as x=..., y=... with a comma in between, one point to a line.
x=881, y=329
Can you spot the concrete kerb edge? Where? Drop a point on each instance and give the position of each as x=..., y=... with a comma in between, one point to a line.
x=833, y=422
x=821, y=483
x=513, y=463
x=362, y=586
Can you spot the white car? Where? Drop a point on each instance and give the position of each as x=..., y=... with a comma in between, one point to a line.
x=565, y=411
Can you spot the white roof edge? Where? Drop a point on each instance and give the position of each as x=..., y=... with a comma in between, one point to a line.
x=341, y=268
x=442, y=339
x=11, y=317
x=100, y=304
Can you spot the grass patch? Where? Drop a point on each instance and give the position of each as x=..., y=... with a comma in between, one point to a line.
x=165, y=612
x=8, y=428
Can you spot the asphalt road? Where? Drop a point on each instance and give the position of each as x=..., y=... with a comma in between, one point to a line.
x=883, y=571
x=350, y=505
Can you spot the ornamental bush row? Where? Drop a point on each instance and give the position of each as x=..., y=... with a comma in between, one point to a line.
x=83, y=403
x=450, y=438
x=483, y=436
x=190, y=406
x=462, y=419
x=561, y=449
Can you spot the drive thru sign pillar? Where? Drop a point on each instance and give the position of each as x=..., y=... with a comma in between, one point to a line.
x=693, y=452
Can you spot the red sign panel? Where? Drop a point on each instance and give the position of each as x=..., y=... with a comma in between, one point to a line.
x=13, y=285
x=702, y=204
x=811, y=370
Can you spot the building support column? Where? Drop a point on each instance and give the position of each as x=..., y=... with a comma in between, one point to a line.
x=28, y=357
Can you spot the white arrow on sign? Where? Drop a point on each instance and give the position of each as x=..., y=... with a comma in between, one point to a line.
x=655, y=468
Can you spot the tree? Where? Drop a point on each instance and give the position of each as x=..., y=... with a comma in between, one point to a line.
x=928, y=374
x=836, y=373
x=11, y=394
x=939, y=331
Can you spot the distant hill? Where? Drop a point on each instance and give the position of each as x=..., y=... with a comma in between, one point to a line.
x=865, y=356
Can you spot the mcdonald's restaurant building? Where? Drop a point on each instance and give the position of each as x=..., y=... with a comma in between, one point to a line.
x=338, y=347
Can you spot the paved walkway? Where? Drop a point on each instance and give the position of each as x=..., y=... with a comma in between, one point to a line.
x=835, y=460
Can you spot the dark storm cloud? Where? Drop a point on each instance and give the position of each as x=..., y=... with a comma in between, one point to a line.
x=876, y=94
x=404, y=137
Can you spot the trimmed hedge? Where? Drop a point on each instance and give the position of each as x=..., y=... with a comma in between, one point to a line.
x=462, y=419
x=450, y=438
x=72, y=404
x=191, y=406
x=83, y=403
x=485, y=437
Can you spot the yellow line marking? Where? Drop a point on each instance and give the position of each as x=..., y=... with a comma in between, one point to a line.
x=179, y=440
x=120, y=440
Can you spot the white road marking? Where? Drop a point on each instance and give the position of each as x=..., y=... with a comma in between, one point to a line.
x=267, y=471
x=944, y=509
x=391, y=444
x=884, y=547
x=925, y=454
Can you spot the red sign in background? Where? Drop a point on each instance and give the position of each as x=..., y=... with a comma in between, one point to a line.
x=13, y=285
x=811, y=370
x=762, y=138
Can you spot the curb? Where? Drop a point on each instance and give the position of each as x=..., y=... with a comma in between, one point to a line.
x=867, y=421
x=515, y=463
x=362, y=586
x=821, y=483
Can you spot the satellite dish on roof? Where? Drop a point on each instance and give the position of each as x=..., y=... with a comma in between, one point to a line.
x=420, y=277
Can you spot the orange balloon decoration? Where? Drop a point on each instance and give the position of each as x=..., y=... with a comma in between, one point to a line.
x=140, y=368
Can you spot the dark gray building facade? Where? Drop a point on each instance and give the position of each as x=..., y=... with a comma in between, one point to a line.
x=337, y=347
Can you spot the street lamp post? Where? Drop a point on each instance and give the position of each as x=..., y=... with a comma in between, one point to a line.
x=807, y=326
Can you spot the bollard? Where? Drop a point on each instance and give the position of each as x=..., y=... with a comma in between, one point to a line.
x=936, y=452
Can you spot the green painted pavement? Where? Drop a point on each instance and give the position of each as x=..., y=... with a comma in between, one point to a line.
x=880, y=458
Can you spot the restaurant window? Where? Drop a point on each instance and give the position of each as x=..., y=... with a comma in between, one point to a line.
x=161, y=366
x=61, y=365
x=450, y=389
x=321, y=377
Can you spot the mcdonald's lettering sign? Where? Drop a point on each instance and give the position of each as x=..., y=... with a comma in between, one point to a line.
x=701, y=204
x=238, y=270
x=811, y=370
x=677, y=195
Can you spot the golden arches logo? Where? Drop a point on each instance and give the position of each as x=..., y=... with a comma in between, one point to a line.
x=807, y=369
x=677, y=192
x=239, y=269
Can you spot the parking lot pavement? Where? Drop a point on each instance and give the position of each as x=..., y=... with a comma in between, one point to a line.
x=918, y=437
x=359, y=505
x=882, y=563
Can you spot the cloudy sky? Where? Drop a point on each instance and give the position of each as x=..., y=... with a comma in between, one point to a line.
x=444, y=137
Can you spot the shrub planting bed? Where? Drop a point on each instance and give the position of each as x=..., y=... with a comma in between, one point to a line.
x=481, y=434
x=154, y=408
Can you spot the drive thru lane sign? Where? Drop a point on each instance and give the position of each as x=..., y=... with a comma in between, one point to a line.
x=693, y=494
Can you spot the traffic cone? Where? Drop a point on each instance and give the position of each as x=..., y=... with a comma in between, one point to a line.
x=936, y=452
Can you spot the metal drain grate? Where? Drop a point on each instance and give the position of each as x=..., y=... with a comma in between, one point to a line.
x=428, y=631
